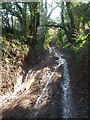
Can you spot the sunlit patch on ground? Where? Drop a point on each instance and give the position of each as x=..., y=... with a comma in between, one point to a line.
x=44, y=94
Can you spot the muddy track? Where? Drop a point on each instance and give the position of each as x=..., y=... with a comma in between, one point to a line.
x=53, y=94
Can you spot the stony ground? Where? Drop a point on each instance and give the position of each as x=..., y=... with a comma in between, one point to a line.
x=51, y=106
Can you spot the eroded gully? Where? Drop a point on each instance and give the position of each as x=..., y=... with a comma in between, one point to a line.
x=65, y=102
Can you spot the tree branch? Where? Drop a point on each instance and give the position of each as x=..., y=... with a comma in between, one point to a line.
x=52, y=25
x=51, y=12
x=19, y=7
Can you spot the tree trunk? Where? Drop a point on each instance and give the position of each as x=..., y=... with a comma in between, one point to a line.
x=62, y=12
x=33, y=29
x=72, y=30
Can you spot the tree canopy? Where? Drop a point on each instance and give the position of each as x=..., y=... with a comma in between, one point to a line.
x=30, y=23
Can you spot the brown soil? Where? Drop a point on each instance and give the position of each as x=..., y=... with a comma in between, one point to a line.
x=24, y=106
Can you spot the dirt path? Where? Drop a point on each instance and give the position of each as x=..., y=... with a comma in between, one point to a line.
x=79, y=87
x=52, y=105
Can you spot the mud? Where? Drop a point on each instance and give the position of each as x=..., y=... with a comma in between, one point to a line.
x=47, y=96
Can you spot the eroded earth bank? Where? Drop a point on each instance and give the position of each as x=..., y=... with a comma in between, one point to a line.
x=52, y=89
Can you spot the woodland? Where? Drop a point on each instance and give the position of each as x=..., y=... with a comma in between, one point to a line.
x=28, y=31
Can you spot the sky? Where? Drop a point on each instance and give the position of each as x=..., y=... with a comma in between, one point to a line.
x=56, y=12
